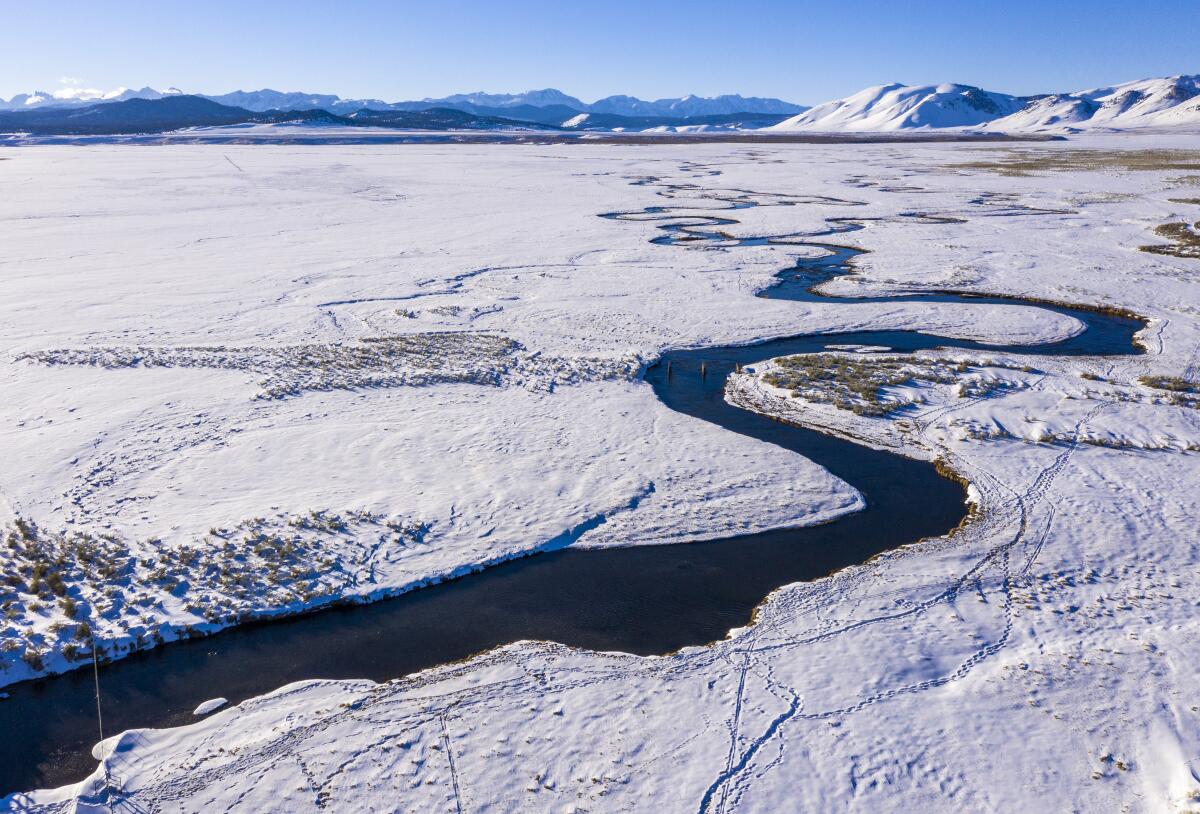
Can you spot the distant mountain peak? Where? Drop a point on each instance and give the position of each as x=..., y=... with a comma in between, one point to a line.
x=897, y=107
x=537, y=98
x=481, y=102
x=1162, y=102
x=1157, y=102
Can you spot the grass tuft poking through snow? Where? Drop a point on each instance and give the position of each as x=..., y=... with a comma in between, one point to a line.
x=859, y=383
x=411, y=360
x=1023, y=162
x=61, y=587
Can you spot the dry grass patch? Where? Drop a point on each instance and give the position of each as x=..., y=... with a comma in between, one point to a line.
x=1184, y=240
x=410, y=360
x=1028, y=162
x=860, y=383
x=58, y=586
x=1175, y=384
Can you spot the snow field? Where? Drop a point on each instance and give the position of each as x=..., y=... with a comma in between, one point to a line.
x=1041, y=655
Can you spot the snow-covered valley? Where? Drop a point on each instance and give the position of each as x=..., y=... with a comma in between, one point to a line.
x=244, y=381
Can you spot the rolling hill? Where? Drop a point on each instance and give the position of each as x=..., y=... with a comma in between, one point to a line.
x=1166, y=102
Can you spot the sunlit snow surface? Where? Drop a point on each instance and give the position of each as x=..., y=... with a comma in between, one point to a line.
x=1164, y=102
x=1043, y=656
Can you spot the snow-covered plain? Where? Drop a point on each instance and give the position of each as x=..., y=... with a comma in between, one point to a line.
x=157, y=299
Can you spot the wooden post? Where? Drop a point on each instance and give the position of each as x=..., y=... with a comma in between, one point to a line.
x=96, y=676
x=108, y=780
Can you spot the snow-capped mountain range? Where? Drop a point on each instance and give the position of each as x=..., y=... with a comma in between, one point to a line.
x=1166, y=102
x=620, y=105
x=77, y=97
x=1148, y=103
x=901, y=107
x=267, y=99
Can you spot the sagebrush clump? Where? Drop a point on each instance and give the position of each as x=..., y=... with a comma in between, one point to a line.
x=59, y=588
x=409, y=360
x=858, y=383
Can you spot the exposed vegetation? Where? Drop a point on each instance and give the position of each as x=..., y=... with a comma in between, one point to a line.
x=882, y=384
x=1175, y=384
x=1021, y=162
x=1184, y=238
x=859, y=382
x=390, y=361
x=1181, y=392
x=58, y=587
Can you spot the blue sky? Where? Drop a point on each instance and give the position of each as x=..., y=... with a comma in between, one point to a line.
x=802, y=51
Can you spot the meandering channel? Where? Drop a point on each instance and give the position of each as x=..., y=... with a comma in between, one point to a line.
x=641, y=600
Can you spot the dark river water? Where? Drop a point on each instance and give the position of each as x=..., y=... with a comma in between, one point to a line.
x=642, y=600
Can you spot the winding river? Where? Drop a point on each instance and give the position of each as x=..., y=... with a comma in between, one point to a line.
x=642, y=600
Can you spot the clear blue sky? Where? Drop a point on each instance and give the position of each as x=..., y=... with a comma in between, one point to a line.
x=802, y=51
